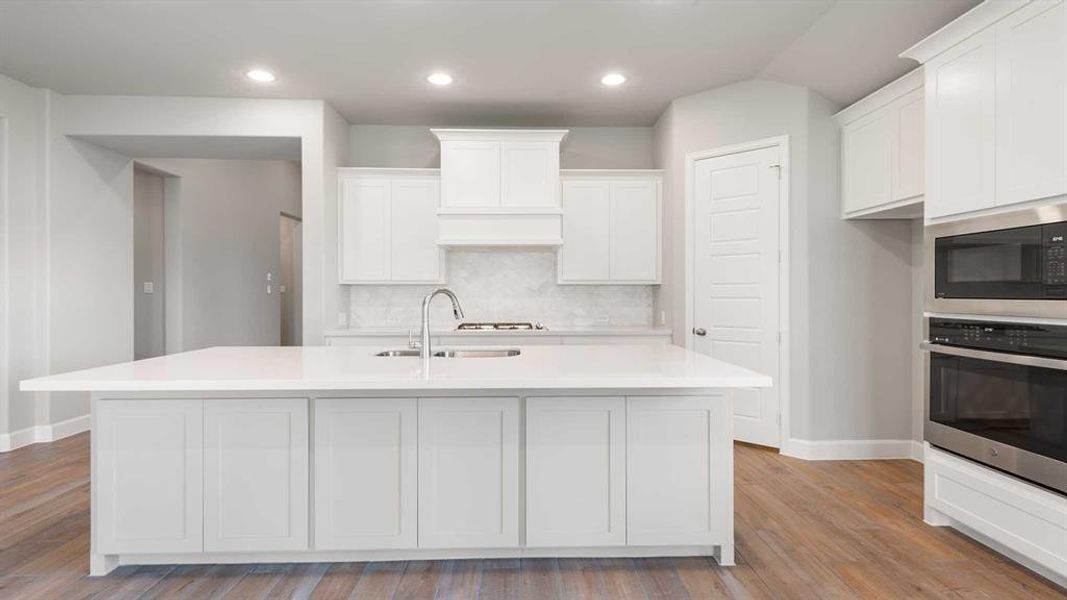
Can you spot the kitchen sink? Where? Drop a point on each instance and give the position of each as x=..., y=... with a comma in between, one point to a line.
x=463, y=353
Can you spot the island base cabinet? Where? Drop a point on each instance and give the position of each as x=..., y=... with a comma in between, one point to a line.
x=365, y=473
x=679, y=472
x=255, y=474
x=575, y=471
x=148, y=476
x=468, y=472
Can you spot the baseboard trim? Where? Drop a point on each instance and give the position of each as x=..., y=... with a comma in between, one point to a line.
x=853, y=449
x=43, y=433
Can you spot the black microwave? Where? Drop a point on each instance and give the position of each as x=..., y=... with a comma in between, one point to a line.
x=1019, y=263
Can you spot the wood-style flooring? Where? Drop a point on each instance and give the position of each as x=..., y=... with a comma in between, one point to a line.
x=804, y=530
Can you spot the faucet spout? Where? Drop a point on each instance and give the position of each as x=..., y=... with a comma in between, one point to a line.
x=457, y=311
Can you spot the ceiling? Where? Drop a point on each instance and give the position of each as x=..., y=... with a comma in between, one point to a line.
x=532, y=62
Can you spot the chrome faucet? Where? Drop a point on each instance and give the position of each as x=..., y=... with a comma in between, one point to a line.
x=424, y=347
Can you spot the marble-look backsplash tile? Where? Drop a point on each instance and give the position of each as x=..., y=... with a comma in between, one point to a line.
x=505, y=285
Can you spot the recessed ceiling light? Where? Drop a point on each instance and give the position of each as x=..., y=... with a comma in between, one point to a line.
x=260, y=75
x=439, y=78
x=613, y=79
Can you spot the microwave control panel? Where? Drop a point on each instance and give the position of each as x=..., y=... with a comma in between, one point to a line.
x=1055, y=260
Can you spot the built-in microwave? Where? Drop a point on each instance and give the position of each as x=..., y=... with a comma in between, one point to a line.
x=1013, y=264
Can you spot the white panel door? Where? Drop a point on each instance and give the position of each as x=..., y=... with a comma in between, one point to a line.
x=1031, y=103
x=680, y=444
x=470, y=174
x=908, y=140
x=735, y=309
x=575, y=471
x=256, y=474
x=414, y=253
x=529, y=174
x=585, y=255
x=959, y=94
x=867, y=148
x=468, y=472
x=364, y=230
x=366, y=482
x=149, y=476
x=635, y=226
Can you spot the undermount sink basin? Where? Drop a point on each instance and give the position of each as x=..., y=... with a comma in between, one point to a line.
x=464, y=353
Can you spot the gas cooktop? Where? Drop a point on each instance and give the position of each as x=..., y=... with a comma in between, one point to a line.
x=500, y=326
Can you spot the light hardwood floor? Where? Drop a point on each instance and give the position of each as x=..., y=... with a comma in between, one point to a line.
x=804, y=530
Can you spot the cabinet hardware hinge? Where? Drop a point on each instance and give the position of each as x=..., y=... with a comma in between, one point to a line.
x=778, y=169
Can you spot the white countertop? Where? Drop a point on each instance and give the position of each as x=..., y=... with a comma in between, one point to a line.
x=239, y=368
x=554, y=331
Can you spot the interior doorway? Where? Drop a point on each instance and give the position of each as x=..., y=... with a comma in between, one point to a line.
x=736, y=207
x=149, y=281
x=289, y=279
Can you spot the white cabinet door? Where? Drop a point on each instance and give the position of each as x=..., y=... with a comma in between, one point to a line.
x=1031, y=103
x=256, y=474
x=635, y=225
x=585, y=255
x=908, y=141
x=959, y=93
x=575, y=472
x=364, y=230
x=682, y=444
x=529, y=174
x=470, y=174
x=413, y=250
x=867, y=156
x=149, y=476
x=366, y=473
x=468, y=472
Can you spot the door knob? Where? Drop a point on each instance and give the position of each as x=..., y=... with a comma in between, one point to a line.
x=700, y=331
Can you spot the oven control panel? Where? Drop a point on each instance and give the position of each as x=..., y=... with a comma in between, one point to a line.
x=1001, y=336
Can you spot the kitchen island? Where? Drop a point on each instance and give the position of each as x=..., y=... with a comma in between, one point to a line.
x=255, y=454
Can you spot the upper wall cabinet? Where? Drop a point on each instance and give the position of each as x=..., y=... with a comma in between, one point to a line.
x=499, y=187
x=882, y=152
x=611, y=227
x=996, y=107
x=388, y=226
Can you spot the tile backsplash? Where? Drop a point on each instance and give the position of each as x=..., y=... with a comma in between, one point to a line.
x=504, y=285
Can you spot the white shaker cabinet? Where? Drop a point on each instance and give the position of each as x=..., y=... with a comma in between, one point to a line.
x=149, y=468
x=882, y=152
x=575, y=471
x=388, y=226
x=366, y=473
x=611, y=227
x=468, y=472
x=255, y=474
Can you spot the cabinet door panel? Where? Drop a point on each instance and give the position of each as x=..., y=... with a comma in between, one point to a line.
x=586, y=251
x=365, y=473
x=256, y=474
x=635, y=224
x=468, y=472
x=908, y=152
x=867, y=155
x=682, y=444
x=470, y=174
x=414, y=253
x=149, y=474
x=575, y=472
x=959, y=128
x=1031, y=49
x=364, y=230
x=529, y=175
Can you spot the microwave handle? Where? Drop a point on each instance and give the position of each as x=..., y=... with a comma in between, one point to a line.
x=1015, y=359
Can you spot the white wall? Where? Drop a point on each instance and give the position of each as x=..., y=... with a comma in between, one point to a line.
x=229, y=240
x=850, y=292
x=583, y=148
x=148, y=265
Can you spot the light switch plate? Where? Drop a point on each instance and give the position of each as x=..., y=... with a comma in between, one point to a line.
x=149, y=287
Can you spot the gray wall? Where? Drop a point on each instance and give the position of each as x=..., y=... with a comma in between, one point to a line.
x=148, y=264
x=228, y=213
x=850, y=282
x=583, y=148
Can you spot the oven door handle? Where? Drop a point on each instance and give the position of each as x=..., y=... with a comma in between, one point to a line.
x=1015, y=359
